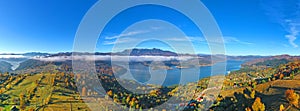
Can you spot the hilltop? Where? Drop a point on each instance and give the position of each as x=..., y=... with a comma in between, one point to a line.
x=272, y=95
x=271, y=83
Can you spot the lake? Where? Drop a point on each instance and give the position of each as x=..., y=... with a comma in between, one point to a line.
x=145, y=75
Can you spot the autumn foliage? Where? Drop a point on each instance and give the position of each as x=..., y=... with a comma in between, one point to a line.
x=22, y=102
x=84, y=91
x=258, y=105
x=110, y=93
x=292, y=97
x=281, y=108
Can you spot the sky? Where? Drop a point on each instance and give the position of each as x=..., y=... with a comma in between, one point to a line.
x=249, y=27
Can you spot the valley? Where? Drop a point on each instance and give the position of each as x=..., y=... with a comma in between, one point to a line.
x=252, y=84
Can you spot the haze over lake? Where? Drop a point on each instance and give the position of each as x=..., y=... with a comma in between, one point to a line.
x=145, y=74
x=175, y=76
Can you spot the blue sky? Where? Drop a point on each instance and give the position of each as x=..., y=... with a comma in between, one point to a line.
x=249, y=27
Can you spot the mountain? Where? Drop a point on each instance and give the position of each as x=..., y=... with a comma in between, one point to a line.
x=24, y=55
x=271, y=60
x=31, y=63
x=33, y=54
x=5, y=66
x=245, y=58
x=148, y=52
x=131, y=52
x=36, y=59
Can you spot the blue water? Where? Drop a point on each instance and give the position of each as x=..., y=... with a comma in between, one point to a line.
x=144, y=75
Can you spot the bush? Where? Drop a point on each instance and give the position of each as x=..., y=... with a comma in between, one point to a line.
x=247, y=109
x=252, y=95
x=22, y=102
x=292, y=97
x=281, y=108
x=258, y=105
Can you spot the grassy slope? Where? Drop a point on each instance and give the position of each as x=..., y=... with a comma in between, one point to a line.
x=26, y=84
x=5, y=67
x=272, y=93
x=59, y=101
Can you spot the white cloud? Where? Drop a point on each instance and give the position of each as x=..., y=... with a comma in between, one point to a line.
x=109, y=40
x=293, y=33
x=116, y=58
x=156, y=28
x=285, y=45
x=127, y=34
x=12, y=56
x=287, y=15
x=120, y=41
x=178, y=39
x=235, y=40
x=226, y=40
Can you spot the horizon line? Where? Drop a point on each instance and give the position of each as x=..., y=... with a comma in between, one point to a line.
x=44, y=52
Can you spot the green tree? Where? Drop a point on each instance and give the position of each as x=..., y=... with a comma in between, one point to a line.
x=292, y=75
